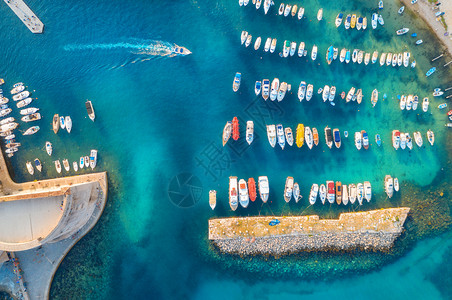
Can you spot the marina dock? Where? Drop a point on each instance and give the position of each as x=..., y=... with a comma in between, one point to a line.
x=376, y=229
x=26, y=15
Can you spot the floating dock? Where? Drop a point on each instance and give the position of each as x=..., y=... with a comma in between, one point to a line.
x=26, y=15
x=376, y=230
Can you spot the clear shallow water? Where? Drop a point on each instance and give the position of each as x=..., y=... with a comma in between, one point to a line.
x=159, y=116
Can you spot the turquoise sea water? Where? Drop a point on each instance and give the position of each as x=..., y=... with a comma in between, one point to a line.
x=160, y=116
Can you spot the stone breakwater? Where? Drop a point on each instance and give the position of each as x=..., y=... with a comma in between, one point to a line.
x=372, y=230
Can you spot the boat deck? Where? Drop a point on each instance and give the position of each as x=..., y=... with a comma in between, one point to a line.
x=26, y=15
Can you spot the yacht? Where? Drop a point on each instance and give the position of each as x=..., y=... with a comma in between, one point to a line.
x=28, y=111
x=273, y=46
x=21, y=96
x=93, y=159
x=299, y=140
x=402, y=102
x=382, y=59
x=248, y=40
x=418, y=138
x=309, y=92
x=399, y=59
x=49, y=148
x=425, y=104
x=24, y=102
x=274, y=90
x=257, y=87
x=267, y=45
x=301, y=49
x=352, y=193
x=243, y=37
x=380, y=4
x=328, y=137
x=332, y=94
x=58, y=166
x=338, y=192
x=313, y=194
x=367, y=191
x=364, y=23
x=233, y=195
x=288, y=189
x=281, y=9
x=38, y=164
x=5, y=112
x=315, y=136
x=308, y=137
x=389, y=186
x=264, y=188
x=282, y=91
x=296, y=192
x=82, y=162
x=322, y=193
x=280, y=136
x=301, y=90
x=396, y=139
x=212, y=198
x=358, y=140
x=289, y=135
x=30, y=168
x=249, y=132
x=17, y=89
x=365, y=139
x=380, y=20
x=360, y=195
x=265, y=88
x=235, y=84
x=337, y=138
x=300, y=13
x=344, y=194
x=409, y=102
x=338, y=21
x=271, y=134
x=326, y=92
x=374, y=98
x=227, y=131
x=257, y=43
x=320, y=14
x=331, y=195
x=348, y=20
x=68, y=122
x=244, y=198
x=314, y=53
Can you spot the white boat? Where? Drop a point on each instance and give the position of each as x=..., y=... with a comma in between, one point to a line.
x=389, y=186
x=300, y=13
x=8, y=127
x=32, y=117
x=86, y=160
x=358, y=140
x=425, y=104
x=314, y=52
x=58, y=166
x=17, y=89
x=267, y=4
x=280, y=136
x=68, y=122
x=301, y=49
x=257, y=87
x=244, y=198
x=243, y=37
x=233, y=193
x=93, y=159
x=374, y=21
x=352, y=193
x=264, y=188
x=320, y=14
x=402, y=102
x=21, y=96
x=288, y=189
x=355, y=55
x=418, y=138
x=289, y=135
x=332, y=93
x=241, y=2
x=268, y=43
x=302, y=91
x=402, y=31
x=359, y=24
x=24, y=102
x=396, y=184
x=309, y=92
x=28, y=111
x=271, y=134
x=382, y=59
x=400, y=60
x=322, y=193
x=374, y=57
x=396, y=139
x=287, y=10
x=402, y=141
x=360, y=193
x=249, y=132
x=265, y=89
x=394, y=59
x=245, y=2
x=367, y=59
x=30, y=168
x=367, y=191
x=406, y=59
x=62, y=123
x=273, y=46
x=31, y=130
x=409, y=102
x=281, y=9
x=374, y=97
x=274, y=90
x=10, y=136
x=350, y=94
x=326, y=92
x=293, y=48
x=335, y=53
x=308, y=137
x=5, y=112
x=339, y=18
x=75, y=166
x=344, y=194
x=82, y=162
x=66, y=165
x=430, y=137
x=364, y=23
x=282, y=91
x=380, y=20
x=388, y=58
x=313, y=194
x=347, y=21
x=296, y=192
x=409, y=141
x=342, y=55
x=415, y=102
x=248, y=40
x=3, y=100
x=257, y=44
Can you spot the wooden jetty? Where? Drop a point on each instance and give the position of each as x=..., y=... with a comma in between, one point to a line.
x=26, y=15
x=438, y=57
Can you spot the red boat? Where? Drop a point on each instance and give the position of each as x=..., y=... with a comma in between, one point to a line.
x=235, y=129
x=252, y=189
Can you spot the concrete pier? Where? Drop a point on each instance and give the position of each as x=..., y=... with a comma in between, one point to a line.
x=26, y=15
x=376, y=230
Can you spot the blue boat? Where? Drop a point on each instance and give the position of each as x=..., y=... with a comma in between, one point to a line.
x=347, y=56
x=430, y=72
x=414, y=34
x=329, y=54
x=380, y=4
x=337, y=138
x=378, y=140
x=274, y=222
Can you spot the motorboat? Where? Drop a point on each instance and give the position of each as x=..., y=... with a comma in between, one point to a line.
x=267, y=4
x=438, y=94
x=360, y=193
x=322, y=193
x=409, y=141
x=271, y=134
x=418, y=42
x=235, y=129
x=300, y=13
x=374, y=21
x=274, y=90
x=93, y=159
x=282, y=91
x=331, y=195
x=359, y=24
x=314, y=53
x=281, y=9
x=31, y=130
x=3, y=100
x=289, y=135
x=273, y=45
x=344, y=194
x=337, y=138
x=32, y=117
x=367, y=191
x=402, y=102
x=248, y=40
x=244, y=198
x=82, y=163
x=332, y=94
x=265, y=88
x=294, y=10
x=329, y=54
x=21, y=95
x=301, y=91
x=400, y=59
x=402, y=141
x=5, y=112
x=49, y=148
x=313, y=194
x=396, y=139
x=299, y=139
x=396, y=184
x=406, y=59
x=212, y=194
x=301, y=49
x=374, y=57
x=350, y=94
x=62, y=122
x=241, y=2
x=347, y=56
x=75, y=166
x=425, y=104
x=335, y=53
x=287, y=10
x=315, y=136
x=56, y=123
x=309, y=92
x=308, y=137
x=409, y=102
x=342, y=55
x=360, y=56
x=66, y=165
x=389, y=186
x=24, y=102
x=264, y=188
x=328, y=137
x=8, y=127
x=28, y=111
x=358, y=97
x=353, y=21
x=388, y=59
x=320, y=14
x=68, y=122
x=257, y=87
x=415, y=102
x=402, y=31
x=418, y=138
x=380, y=4
x=365, y=23
x=38, y=165
x=355, y=55
x=227, y=131
x=17, y=89
x=30, y=168
x=338, y=21
x=326, y=92
x=267, y=45
x=7, y=120
x=352, y=193
x=257, y=43
x=347, y=22
x=235, y=84
x=252, y=189
x=430, y=72
x=367, y=58
x=86, y=161
x=382, y=59
x=380, y=20
x=233, y=194
x=280, y=136
x=249, y=132
x=10, y=136
x=338, y=192
x=243, y=37
x=358, y=140
x=374, y=98
x=394, y=59
x=288, y=189
x=58, y=166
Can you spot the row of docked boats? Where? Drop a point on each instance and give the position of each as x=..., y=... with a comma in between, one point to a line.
x=241, y=191
x=391, y=185
x=359, y=56
x=411, y=102
x=61, y=122
x=403, y=140
x=85, y=161
x=291, y=10
x=353, y=21
x=265, y=4
x=340, y=193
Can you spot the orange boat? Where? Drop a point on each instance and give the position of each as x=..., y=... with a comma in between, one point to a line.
x=338, y=192
x=235, y=129
x=252, y=189
x=315, y=136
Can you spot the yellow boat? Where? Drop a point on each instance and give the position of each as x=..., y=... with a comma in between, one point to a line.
x=300, y=135
x=294, y=10
x=353, y=22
